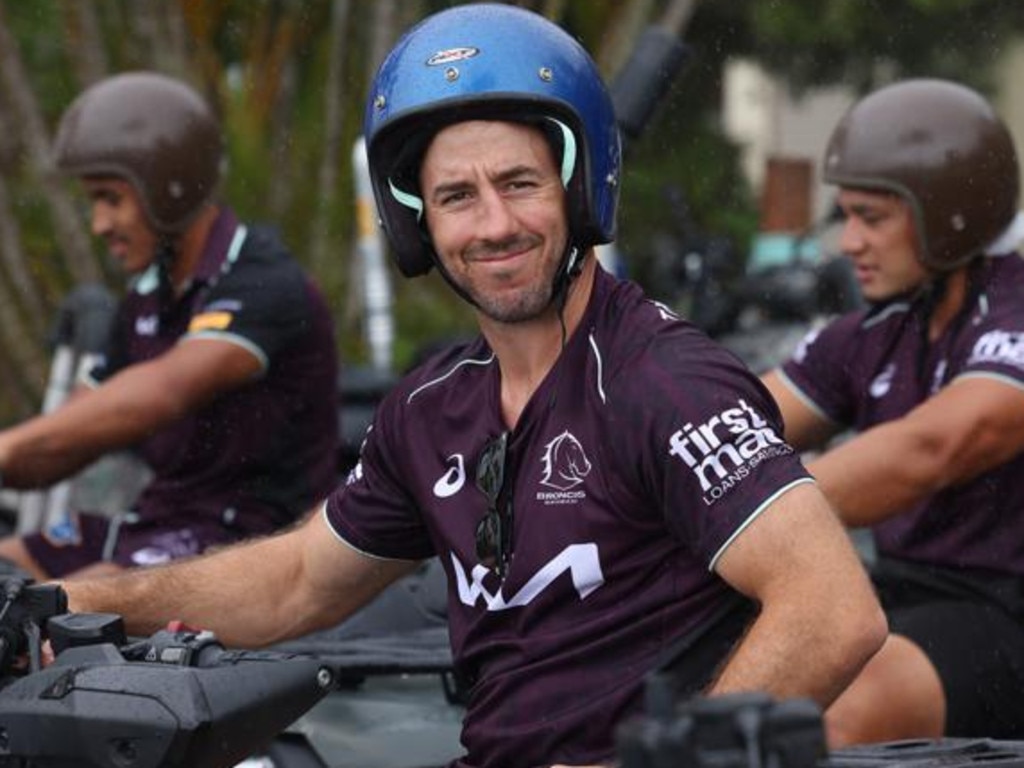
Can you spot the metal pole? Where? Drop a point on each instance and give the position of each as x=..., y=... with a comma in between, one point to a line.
x=379, y=325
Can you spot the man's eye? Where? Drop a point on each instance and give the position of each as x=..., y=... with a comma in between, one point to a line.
x=453, y=197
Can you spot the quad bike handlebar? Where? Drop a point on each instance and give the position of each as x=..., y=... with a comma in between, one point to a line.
x=176, y=698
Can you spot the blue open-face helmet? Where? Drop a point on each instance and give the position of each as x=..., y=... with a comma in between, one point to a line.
x=492, y=62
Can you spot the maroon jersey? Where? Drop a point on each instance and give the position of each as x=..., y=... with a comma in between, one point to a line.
x=871, y=366
x=263, y=454
x=639, y=458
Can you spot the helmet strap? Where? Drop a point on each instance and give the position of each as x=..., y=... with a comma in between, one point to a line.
x=165, y=253
x=568, y=270
x=931, y=295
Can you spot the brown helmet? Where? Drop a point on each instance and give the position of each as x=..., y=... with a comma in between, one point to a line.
x=153, y=131
x=942, y=148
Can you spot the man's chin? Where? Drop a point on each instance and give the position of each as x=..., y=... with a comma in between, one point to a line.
x=882, y=296
x=128, y=267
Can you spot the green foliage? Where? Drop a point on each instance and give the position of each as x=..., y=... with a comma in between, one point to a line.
x=865, y=42
x=244, y=53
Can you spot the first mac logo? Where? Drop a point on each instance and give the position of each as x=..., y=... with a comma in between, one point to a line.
x=722, y=451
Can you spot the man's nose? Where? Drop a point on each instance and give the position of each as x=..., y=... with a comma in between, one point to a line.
x=496, y=217
x=851, y=238
x=100, y=219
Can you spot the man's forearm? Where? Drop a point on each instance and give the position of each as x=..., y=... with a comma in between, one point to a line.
x=878, y=474
x=39, y=453
x=239, y=593
x=790, y=652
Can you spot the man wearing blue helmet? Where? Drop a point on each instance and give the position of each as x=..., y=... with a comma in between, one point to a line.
x=604, y=487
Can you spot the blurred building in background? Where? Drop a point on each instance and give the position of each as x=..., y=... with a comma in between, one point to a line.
x=783, y=138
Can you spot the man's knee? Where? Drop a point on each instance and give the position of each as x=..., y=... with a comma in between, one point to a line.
x=898, y=695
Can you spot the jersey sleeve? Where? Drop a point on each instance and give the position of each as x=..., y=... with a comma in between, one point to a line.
x=817, y=371
x=997, y=352
x=263, y=306
x=371, y=510
x=713, y=458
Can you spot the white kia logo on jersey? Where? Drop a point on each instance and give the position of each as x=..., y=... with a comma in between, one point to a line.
x=883, y=381
x=581, y=561
x=565, y=463
x=451, y=482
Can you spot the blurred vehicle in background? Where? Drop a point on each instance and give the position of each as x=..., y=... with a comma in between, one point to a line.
x=758, y=304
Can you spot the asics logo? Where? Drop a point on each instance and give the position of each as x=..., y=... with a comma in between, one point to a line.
x=451, y=482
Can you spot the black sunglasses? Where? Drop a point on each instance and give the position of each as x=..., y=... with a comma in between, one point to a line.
x=494, y=531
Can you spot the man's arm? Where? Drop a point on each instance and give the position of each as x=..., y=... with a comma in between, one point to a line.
x=819, y=621
x=134, y=403
x=966, y=429
x=251, y=594
x=805, y=428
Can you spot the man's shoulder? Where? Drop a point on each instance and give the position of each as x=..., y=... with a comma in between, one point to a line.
x=880, y=320
x=264, y=249
x=265, y=267
x=453, y=368
x=627, y=320
x=636, y=335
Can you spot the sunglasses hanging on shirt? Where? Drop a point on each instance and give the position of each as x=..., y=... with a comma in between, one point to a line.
x=494, y=531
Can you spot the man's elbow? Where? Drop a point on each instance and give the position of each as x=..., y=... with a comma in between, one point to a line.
x=871, y=633
x=861, y=632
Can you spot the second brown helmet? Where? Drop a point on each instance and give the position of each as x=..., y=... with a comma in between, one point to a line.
x=941, y=147
x=155, y=132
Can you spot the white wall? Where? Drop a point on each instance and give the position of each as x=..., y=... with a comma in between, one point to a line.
x=760, y=115
x=766, y=120
x=1009, y=100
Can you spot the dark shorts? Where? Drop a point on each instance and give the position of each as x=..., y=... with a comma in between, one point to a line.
x=975, y=642
x=88, y=538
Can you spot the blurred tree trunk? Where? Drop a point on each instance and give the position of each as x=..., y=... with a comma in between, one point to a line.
x=553, y=9
x=24, y=292
x=282, y=142
x=270, y=99
x=22, y=332
x=385, y=27
x=85, y=42
x=324, y=256
x=157, y=30
x=624, y=26
x=75, y=250
x=677, y=15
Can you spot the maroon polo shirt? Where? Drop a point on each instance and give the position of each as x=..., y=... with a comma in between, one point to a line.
x=639, y=458
x=863, y=370
x=263, y=454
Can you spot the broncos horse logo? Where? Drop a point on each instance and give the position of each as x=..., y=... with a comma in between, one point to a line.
x=565, y=463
